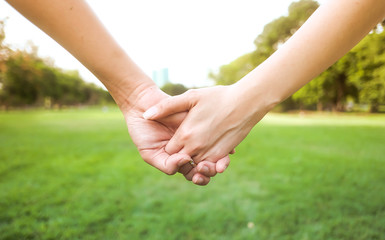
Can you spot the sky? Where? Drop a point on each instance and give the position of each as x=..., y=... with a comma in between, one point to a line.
x=190, y=38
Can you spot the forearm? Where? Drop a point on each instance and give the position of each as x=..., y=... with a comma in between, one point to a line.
x=74, y=26
x=331, y=32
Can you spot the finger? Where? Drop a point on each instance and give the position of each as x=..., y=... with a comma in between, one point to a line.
x=166, y=163
x=174, y=145
x=185, y=169
x=222, y=164
x=169, y=106
x=207, y=168
x=200, y=179
x=174, y=162
x=173, y=121
x=190, y=175
x=232, y=151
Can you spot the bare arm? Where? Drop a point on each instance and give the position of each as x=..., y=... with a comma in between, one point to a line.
x=327, y=35
x=74, y=26
x=220, y=118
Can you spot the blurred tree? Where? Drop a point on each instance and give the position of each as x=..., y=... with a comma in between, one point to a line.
x=332, y=88
x=4, y=53
x=20, y=82
x=369, y=72
x=358, y=76
x=30, y=81
x=4, y=50
x=230, y=73
x=280, y=30
x=174, y=89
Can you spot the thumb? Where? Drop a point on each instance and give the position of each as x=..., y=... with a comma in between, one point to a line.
x=222, y=164
x=166, y=163
x=173, y=121
x=169, y=106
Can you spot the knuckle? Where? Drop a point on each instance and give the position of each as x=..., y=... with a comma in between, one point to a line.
x=192, y=93
x=170, y=172
x=212, y=156
x=195, y=147
x=220, y=153
x=186, y=134
x=188, y=177
x=212, y=171
x=163, y=105
x=167, y=102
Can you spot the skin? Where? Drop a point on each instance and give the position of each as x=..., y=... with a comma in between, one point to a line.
x=219, y=118
x=74, y=26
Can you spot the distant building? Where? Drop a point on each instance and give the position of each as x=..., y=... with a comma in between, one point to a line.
x=160, y=77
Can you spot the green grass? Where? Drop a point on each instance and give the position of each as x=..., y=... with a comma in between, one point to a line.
x=76, y=175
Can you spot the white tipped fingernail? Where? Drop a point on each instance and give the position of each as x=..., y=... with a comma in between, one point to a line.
x=150, y=113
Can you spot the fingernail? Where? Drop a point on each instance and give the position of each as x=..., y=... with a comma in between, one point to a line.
x=186, y=161
x=205, y=169
x=199, y=180
x=150, y=113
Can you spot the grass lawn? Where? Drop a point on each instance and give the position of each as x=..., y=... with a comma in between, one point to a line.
x=75, y=174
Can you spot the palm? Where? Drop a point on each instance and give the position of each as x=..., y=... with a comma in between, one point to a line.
x=151, y=137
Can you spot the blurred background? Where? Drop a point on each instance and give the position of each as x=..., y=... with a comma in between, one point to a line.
x=312, y=169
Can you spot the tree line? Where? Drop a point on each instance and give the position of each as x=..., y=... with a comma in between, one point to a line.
x=27, y=80
x=357, y=79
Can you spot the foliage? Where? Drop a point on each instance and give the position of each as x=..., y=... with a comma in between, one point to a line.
x=76, y=175
x=369, y=72
x=28, y=80
x=4, y=52
x=274, y=34
x=174, y=89
x=280, y=30
x=234, y=71
x=331, y=89
x=357, y=77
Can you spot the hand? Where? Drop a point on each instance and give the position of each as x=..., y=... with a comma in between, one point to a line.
x=151, y=137
x=218, y=119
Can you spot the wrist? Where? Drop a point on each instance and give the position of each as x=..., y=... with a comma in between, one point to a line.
x=127, y=93
x=259, y=93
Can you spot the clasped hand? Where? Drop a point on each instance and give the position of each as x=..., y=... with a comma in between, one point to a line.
x=152, y=137
x=201, y=125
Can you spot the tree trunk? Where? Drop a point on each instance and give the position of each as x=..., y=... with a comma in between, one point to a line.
x=374, y=108
x=340, y=93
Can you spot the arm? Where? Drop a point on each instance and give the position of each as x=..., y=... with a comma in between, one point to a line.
x=220, y=118
x=74, y=26
x=329, y=34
